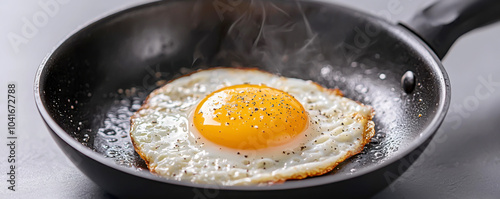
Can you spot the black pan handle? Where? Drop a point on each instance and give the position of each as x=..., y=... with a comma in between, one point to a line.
x=444, y=21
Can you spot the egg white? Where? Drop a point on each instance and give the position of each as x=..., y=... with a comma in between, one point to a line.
x=163, y=135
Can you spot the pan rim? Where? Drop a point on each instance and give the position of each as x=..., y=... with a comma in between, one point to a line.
x=427, y=133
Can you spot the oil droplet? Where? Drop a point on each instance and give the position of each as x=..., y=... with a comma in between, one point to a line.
x=352, y=170
x=112, y=140
x=361, y=89
x=135, y=107
x=86, y=138
x=109, y=132
x=380, y=135
x=378, y=155
x=325, y=70
x=382, y=76
x=111, y=153
x=408, y=81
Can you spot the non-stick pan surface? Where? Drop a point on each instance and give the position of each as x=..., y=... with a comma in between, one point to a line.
x=87, y=89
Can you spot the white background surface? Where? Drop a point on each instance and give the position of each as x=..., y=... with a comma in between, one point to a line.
x=464, y=163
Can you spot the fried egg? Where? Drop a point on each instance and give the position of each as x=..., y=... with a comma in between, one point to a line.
x=231, y=126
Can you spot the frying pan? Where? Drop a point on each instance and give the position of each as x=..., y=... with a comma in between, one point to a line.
x=88, y=87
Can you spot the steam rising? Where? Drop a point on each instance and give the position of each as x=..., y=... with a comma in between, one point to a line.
x=263, y=33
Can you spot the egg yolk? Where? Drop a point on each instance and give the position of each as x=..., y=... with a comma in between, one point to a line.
x=250, y=117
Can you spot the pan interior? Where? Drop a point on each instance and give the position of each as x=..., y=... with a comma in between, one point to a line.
x=97, y=78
